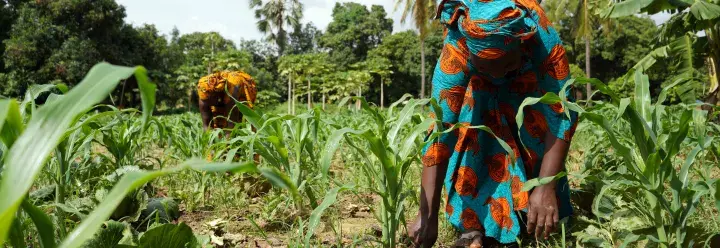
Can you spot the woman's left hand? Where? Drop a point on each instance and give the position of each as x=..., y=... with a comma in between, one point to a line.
x=543, y=214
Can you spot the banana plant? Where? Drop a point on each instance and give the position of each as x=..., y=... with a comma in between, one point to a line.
x=688, y=17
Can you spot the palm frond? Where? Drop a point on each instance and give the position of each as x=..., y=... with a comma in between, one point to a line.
x=255, y=3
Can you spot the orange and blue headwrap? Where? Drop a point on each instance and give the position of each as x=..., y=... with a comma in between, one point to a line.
x=491, y=27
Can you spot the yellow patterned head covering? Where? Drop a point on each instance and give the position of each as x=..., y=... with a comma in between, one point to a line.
x=209, y=84
x=217, y=82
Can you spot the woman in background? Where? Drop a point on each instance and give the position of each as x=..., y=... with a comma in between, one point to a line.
x=217, y=94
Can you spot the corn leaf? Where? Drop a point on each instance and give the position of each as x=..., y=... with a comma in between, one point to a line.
x=642, y=95
x=43, y=223
x=147, y=94
x=624, y=103
x=250, y=115
x=532, y=183
x=132, y=180
x=604, y=123
x=691, y=159
x=548, y=98
x=404, y=117
x=11, y=125
x=331, y=145
x=676, y=139
x=17, y=234
x=277, y=178
x=330, y=199
x=27, y=156
x=396, y=103
x=614, y=98
x=411, y=138
x=31, y=94
x=377, y=117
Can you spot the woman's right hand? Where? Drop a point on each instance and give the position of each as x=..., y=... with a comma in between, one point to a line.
x=424, y=230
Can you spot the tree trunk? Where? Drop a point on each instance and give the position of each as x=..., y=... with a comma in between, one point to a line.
x=357, y=103
x=323, y=101
x=122, y=95
x=588, y=87
x=289, y=102
x=132, y=99
x=294, y=98
x=309, y=96
x=382, y=92
x=422, y=68
x=189, y=102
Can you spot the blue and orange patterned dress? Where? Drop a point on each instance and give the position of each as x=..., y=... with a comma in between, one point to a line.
x=482, y=183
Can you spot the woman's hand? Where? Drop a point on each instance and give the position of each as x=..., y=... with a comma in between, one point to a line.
x=543, y=214
x=423, y=232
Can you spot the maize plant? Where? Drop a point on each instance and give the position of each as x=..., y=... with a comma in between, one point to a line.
x=388, y=150
x=29, y=143
x=648, y=184
x=287, y=143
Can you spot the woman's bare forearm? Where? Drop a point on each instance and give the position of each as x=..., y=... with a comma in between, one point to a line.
x=554, y=160
x=205, y=113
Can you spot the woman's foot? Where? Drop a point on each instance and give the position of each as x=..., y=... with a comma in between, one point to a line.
x=472, y=239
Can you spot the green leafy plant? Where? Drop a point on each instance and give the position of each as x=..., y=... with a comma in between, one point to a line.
x=29, y=147
x=394, y=144
x=650, y=187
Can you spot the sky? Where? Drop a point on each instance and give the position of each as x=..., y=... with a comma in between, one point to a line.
x=231, y=18
x=234, y=20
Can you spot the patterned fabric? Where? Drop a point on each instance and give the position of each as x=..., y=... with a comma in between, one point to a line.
x=212, y=88
x=483, y=186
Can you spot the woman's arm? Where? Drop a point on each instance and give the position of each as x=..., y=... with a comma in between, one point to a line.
x=543, y=216
x=205, y=113
x=554, y=160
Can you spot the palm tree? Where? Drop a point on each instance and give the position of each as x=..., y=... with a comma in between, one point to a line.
x=422, y=13
x=585, y=16
x=275, y=17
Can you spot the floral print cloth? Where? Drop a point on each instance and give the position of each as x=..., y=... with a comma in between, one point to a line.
x=483, y=185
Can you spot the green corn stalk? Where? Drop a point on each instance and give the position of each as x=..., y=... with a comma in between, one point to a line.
x=307, y=230
x=287, y=143
x=394, y=144
x=53, y=123
x=647, y=153
x=29, y=146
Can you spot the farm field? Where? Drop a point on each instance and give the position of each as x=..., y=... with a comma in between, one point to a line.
x=103, y=144
x=320, y=182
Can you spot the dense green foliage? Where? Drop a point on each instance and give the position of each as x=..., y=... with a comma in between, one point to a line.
x=41, y=44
